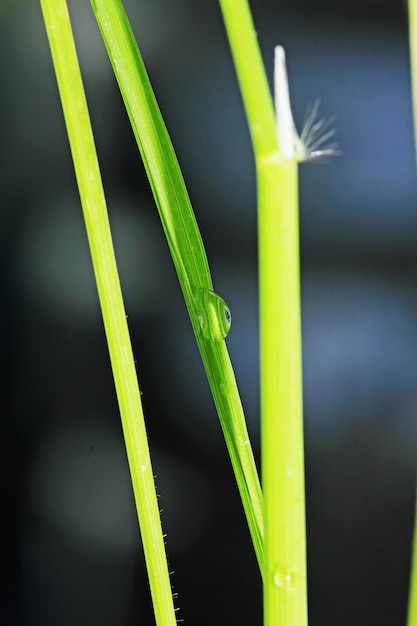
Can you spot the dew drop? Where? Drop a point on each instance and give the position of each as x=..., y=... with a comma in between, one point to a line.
x=213, y=314
x=227, y=388
x=285, y=578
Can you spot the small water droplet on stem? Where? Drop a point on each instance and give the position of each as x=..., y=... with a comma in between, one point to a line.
x=213, y=314
x=284, y=578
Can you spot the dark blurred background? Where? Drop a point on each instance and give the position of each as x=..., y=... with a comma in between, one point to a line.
x=70, y=548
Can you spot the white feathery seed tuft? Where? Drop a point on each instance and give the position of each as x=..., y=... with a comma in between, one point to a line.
x=313, y=143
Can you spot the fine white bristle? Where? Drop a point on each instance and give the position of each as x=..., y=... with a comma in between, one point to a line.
x=315, y=136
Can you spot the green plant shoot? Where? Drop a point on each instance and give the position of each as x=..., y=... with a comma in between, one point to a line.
x=285, y=580
x=87, y=171
x=412, y=20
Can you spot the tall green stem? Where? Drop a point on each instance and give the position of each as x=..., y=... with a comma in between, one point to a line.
x=87, y=171
x=412, y=599
x=285, y=583
x=412, y=25
x=412, y=17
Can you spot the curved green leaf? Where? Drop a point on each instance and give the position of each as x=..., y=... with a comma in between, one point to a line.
x=186, y=248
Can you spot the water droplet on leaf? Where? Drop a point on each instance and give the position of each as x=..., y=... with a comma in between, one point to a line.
x=213, y=314
x=227, y=388
x=284, y=578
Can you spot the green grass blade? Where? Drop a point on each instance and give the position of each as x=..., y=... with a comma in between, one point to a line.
x=412, y=27
x=285, y=581
x=412, y=19
x=95, y=214
x=209, y=315
x=412, y=598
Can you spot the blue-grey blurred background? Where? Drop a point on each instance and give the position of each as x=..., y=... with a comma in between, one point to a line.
x=70, y=548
